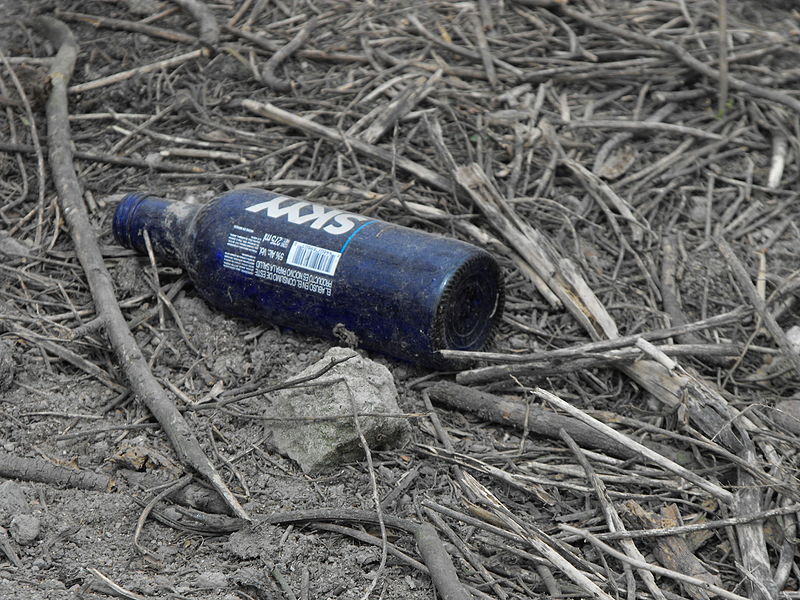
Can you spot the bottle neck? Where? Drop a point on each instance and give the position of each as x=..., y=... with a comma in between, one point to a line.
x=164, y=221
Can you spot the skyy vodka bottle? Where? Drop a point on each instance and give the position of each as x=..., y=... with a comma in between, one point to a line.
x=317, y=269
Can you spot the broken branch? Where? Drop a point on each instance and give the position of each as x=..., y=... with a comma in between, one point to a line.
x=130, y=356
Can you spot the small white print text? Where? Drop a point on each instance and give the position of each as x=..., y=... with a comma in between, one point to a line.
x=293, y=278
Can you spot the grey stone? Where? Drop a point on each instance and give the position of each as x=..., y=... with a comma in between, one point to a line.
x=25, y=529
x=13, y=247
x=698, y=209
x=12, y=501
x=793, y=335
x=787, y=413
x=324, y=444
x=53, y=584
x=212, y=579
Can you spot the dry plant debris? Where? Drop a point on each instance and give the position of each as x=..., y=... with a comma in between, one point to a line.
x=633, y=165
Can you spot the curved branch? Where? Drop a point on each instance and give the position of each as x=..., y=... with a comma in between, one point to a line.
x=209, y=29
x=131, y=359
x=268, y=70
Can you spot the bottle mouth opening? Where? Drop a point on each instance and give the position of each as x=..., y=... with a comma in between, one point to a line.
x=470, y=307
x=123, y=216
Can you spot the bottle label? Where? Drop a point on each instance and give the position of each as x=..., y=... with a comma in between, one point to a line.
x=292, y=242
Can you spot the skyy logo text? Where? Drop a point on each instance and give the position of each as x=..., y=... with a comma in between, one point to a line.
x=301, y=212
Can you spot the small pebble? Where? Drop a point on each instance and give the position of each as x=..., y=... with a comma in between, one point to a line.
x=25, y=529
x=12, y=247
x=212, y=579
x=12, y=501
x=53, y=584
x=793, y=335
x=698, y=210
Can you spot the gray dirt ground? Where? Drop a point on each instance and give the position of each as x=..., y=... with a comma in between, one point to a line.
x=83, y=530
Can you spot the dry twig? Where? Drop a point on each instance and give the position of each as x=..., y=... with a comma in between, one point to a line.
x=712, y=488
x=141, y=380
x=268, y=70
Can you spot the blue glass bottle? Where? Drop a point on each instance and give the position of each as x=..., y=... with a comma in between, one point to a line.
x=282, y=260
